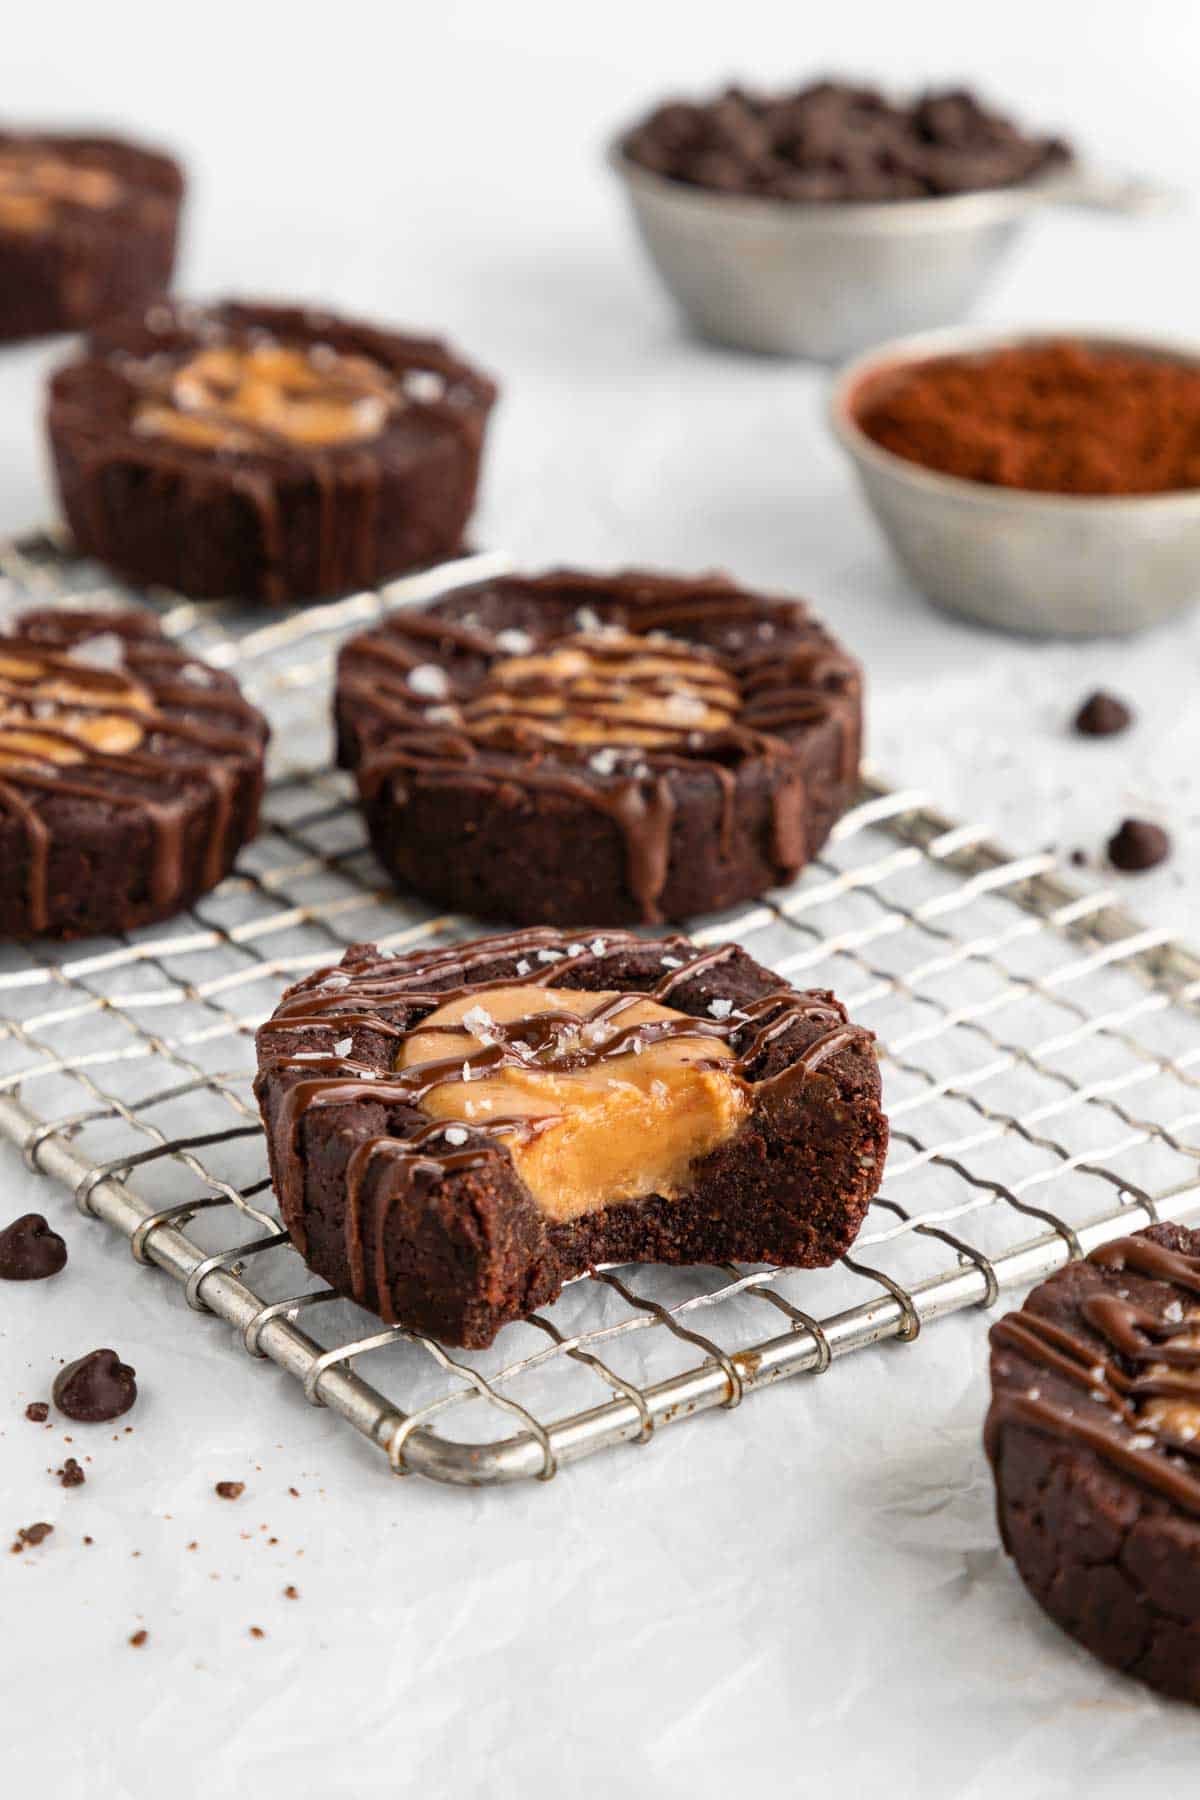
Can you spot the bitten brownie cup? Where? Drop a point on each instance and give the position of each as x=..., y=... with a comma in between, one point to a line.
x=572, y=748
x=88, y=228
x=455, y=1132
x=130, y=774
x=265, y=452
x=1094, y=1437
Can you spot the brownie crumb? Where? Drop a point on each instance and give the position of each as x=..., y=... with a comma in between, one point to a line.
x=37, y=1412
x=33, y=1534
x=71, y=1475
x=291, y=1593
x=231, y=1490
x=294, y=1492
x=256, y=1631
x=1138, y=845
x=139, y=1638
x=1079, y=859
x=89, y=1540
x=1102, y=715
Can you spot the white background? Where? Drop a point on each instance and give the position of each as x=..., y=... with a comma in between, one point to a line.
x=809, y=1592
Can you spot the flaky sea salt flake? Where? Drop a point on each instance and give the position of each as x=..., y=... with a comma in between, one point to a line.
x=429, y=680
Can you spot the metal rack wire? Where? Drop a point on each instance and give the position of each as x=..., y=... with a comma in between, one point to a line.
x=1042, y=1070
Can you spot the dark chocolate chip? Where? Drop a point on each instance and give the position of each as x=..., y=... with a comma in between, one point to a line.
x=29, y=1250
x=37, y=1412
x=71, y=1475
x=231, y=1490
x=96, y=1388
x=1102, y=715
x=1138, y=845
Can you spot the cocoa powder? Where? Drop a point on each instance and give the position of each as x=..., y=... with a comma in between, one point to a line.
x=1057, y=417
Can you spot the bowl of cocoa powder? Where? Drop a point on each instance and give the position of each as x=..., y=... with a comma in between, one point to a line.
x=1047, y=483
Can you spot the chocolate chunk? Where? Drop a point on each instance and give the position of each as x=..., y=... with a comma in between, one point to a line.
x=95, y=1388
x=30, y=1251
x=1138, y=845
x=231, y=1490
x=71, y=1475
x=836, y=141
x=1102, y=715
x=37, y=1412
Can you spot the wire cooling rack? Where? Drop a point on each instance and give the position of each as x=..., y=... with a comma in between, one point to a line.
x=1040, y=1052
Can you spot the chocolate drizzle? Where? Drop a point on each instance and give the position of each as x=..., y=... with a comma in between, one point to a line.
x=382, y=998
x=123, y=737
x=452, y=704
x=1111, y=1419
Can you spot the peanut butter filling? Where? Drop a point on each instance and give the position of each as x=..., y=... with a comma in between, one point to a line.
x=35, y=183
x=600, y=1097
x=48, y=714
x=612, y=688
x=1176, y=1417
x=242, y=397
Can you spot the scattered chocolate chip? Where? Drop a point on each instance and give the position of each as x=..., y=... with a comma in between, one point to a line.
x=96, y=1388
x=291, y=1593
x=231, y=1490
x=139, y=1638
x=1102, y=715
x=37, y=1412
x=35, y=1534
x=30, y=1251
x=1138, y=845
x=71, y=1475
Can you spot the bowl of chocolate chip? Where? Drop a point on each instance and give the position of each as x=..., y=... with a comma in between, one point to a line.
x=817, y=222
x=1046, y=483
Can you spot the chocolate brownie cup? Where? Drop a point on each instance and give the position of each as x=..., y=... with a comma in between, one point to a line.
x=578, y=747
x=130, y=773
x=1094, y=1437
x=456, y=1132
x=266, y=452
x=88, y=228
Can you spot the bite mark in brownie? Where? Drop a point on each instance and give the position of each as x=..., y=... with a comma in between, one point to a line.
x=268, y=452
x=130, y=773
x=454, y=1133
x=1094, y=1438
x=570, y=747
